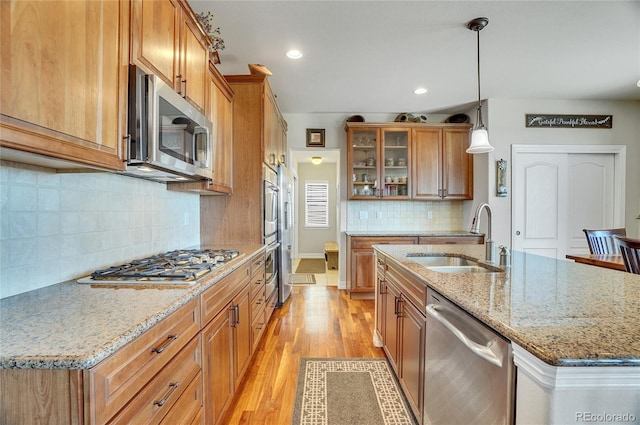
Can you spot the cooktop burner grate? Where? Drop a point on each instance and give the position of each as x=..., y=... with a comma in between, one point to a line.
x=180, y=266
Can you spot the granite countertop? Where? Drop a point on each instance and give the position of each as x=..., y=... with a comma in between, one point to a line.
x=74, y=326
x=564, y=313
x=442, y=233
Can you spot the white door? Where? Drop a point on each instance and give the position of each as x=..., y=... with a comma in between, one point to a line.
x=591, y=198
x=540, y=203
x=558, y=191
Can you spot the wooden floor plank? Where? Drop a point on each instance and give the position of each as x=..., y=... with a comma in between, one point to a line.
x=316, y=321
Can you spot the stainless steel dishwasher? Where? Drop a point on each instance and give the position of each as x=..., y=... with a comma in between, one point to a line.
x=469, y=372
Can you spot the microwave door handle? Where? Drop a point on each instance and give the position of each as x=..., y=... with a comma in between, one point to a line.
x=207, y=154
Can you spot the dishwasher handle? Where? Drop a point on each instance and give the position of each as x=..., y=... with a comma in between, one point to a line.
x=484, y=351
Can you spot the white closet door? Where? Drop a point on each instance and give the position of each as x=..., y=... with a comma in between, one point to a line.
x=591, y=195
x=557, y=194
x=540, y=197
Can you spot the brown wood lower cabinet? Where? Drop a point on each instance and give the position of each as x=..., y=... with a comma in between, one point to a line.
x=185, y=369
x=218, y=377
x=361, y=270
x=361, y=266
x=401, y=327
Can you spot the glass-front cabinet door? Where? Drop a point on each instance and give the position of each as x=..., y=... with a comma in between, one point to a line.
x=363, y=162
x=394, y=177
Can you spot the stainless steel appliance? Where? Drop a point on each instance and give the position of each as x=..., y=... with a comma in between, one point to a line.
x=169, y=139
x=286, y=231
x=469, y=372
x=180, y=267
x=270, y=205
x=270, y=200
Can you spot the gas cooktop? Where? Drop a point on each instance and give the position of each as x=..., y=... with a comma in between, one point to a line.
x=180, y=267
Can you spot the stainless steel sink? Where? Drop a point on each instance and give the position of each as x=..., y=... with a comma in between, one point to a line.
x=449, y=263
x=460, y=269
x=439, y=260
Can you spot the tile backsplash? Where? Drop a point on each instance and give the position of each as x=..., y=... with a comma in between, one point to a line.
x=61, y=226
x=404, y=215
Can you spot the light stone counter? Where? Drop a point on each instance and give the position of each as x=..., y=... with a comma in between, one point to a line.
x=564, y=313
x=443, y=233
x=75, y=326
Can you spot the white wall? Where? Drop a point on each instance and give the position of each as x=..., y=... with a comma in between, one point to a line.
x=506, y=123
x=311, y=240
x=57, y=227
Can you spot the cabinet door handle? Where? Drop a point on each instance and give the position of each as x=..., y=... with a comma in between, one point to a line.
x=163, y=400
x=179, y=81
x=381, y=287
x=234, y=313
x=127, y=152
x=169, y=340
x=183, y=89
x=395, y=306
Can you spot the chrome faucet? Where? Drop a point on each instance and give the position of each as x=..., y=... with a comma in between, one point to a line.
x=475, y=228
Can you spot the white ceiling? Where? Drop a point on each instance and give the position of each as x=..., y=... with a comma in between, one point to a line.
x=369, y=56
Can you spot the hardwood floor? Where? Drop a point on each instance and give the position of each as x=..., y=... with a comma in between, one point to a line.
x=316, y=321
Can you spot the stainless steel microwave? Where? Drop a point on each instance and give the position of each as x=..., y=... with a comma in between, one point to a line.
x=168, y=138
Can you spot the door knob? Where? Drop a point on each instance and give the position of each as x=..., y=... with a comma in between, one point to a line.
x=517, y=232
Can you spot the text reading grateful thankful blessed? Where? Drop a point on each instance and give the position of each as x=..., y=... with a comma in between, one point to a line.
x=569, y=121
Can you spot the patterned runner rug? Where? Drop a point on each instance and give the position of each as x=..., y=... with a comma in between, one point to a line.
x=302, y=279
x=349, y=392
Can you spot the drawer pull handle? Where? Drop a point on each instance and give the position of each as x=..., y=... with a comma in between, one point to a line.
x=169, y=340
x=172, y=388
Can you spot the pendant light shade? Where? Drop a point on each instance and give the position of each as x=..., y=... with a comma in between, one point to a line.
x=479, y=136
x=479, y=142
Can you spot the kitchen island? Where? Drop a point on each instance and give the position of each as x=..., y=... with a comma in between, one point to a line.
x=574, y=330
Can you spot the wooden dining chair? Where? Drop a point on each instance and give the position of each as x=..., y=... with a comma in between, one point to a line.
x=630, y=250
x=601, y=241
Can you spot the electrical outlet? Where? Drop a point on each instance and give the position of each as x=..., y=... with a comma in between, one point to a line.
x=364, y=215
x=429, y=215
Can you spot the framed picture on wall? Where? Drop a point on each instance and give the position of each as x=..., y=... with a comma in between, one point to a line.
x=315, y=137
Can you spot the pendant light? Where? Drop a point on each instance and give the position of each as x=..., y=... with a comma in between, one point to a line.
x=479, y=136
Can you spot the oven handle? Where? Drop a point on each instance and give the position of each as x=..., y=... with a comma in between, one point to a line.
x=273, y=247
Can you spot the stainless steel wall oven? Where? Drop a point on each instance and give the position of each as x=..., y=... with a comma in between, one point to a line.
x=270, y=203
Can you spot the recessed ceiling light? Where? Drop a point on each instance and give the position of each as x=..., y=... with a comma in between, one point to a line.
x=294, y=54
x=420, y=90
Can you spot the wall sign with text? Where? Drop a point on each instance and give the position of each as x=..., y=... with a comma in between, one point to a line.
x=569, y=121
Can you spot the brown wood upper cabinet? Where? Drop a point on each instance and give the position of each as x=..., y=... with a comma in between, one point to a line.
x=441, y=168
x=399, y=161
x=221, y=115
x=275, y=127
x=379, y=161
x=167, y=41
x=64, y=87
